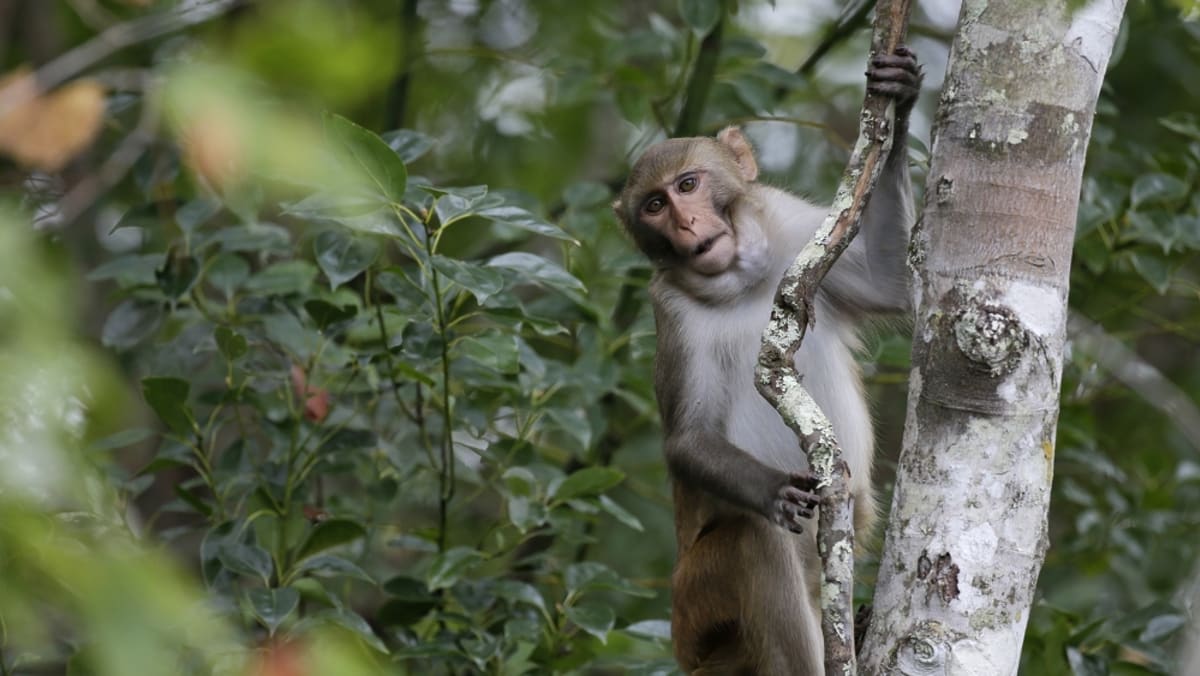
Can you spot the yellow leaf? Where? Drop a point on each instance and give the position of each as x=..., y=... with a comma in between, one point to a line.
x=45, y=131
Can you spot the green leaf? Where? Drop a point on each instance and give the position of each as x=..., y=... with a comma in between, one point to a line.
x=121, y=439
x=328, y=534
x=1153, y=269
x=620, y=513
x=381, y=168
x=450, y=565
x=480, y=281
x=249, y=560
x=534, y=269
x=272, y=606
x=409, y=145
x=343, y=257
x=454, y=204
x=1182, y=123
x=594, y=618
x=255, y=238
x=493, y=350
x=194, y=501
x=588, y=481
x=521, y=219
x=283, y=278
x=657, y=630
x=130, y=323
x=700, y=15
x=326, y=314
x=520, y=481
x=227, y=272
x=196, y=213
x=1161, y=627
x=520, y=592
x=525, y=513
x=1159, y=189
x=129, y=270
x=231, y=343
x=593, y=575
x=328, y=565
x=168, y=398
x=351, y=621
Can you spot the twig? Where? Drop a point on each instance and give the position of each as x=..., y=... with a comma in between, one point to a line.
x=777, y=379
x=87, y=191
x=112, y=40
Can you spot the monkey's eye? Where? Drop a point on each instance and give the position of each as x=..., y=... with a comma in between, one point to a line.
x=687, y=184
x=655, y=205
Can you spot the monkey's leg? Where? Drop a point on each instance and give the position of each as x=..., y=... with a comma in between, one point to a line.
x=741, y=604
x=781, y=608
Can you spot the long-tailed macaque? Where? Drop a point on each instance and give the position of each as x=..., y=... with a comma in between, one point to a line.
x=744, y=588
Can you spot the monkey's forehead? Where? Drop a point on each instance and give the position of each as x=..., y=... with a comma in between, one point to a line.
x=664, y=161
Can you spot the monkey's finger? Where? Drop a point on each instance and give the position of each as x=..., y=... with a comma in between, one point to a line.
x=908, y=63
x=890, y=74
x=806, y=481
x=893, y=90
x=801, y=498
x=903, y=50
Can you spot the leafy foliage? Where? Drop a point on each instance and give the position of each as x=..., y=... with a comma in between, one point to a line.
x=385, y=398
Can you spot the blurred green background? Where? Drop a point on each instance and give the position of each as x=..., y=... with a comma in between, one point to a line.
x=321, y=351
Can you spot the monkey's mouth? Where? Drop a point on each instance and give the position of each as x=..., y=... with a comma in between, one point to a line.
x=706, y=246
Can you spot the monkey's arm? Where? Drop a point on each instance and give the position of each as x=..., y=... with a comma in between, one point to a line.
x=706, y=459
x=871, y=275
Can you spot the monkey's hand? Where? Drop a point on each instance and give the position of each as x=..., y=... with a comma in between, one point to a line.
x=899, y=76
x=795, y=500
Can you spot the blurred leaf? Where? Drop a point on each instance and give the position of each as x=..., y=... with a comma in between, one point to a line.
x=537, y=270
x=328, y=534
x=520, y=592
x=121, y=439
x=196, y=213
x=353, y=622
x=587, y=481
x=249, y=560
x=658, y=630
x=168, y=398
x=1157, y=189
x=343, y=257
x=1161, y=627
x=227, y=272
x=382, y=168
x=450, y=565
x=128, y=270
x=620, y=513
x=1154, y=270
x=130, y=323
x=231, y=344
x=409, y=145
x=492, y=350
x=475, y=278
x=283, y=278
x=700, y=15
x=326, y=314
x=328, y=565
x=517, y=217
x=1182, y=123
x=593, y=618
x=593, y=576
x=272, y=606
x=254, y=238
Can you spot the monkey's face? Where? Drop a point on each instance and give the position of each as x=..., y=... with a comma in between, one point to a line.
x=677, y=204
x=687, y=214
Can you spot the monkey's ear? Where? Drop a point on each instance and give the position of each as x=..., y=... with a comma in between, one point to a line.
x=743, y=154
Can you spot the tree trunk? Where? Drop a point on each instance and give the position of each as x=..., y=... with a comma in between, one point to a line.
x=967, y=532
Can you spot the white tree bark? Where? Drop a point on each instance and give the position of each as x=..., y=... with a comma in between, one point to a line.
x=967, y=532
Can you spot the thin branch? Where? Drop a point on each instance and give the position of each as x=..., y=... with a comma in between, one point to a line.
x=85, y=193
x=777, y=379
x=112, y=40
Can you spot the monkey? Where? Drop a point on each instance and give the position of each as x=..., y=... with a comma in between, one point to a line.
x=745, y=583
